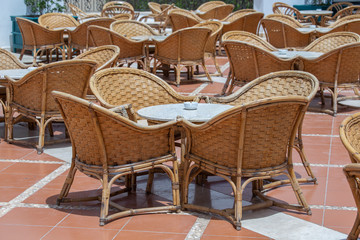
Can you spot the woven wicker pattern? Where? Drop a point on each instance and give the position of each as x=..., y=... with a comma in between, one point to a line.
x=57, y=20
x=9, y=61
x=351, y=10
x=347, y=26
x=122, y=16
x=286, y=19
x=282, y=35
x=285, y=9
x=344, y=19
x=238, y=14
x=331, y=41
x=108, y=146
x=118, y=86
x=248, y=38
x=115, y=10
x=31, y=96
x=180, y=18
x=350, y=136
x=78, y=37
x=118, y=3
x=131, y=28
x=218, y=12
x=244, y=22
x=210, y=5
x=80, y=13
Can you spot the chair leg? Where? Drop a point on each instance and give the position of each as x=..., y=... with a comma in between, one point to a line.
x=22, y=53
x=206, y=71
x=298, y=193
x=67, y=184
x=150, y=181
x=217, y=65
x=40, y=146
x=51, y=129
x=223, y=91
x=178, y=71
x=238, y=204
x=354, y=233
x=9, y=124
x=104, y=200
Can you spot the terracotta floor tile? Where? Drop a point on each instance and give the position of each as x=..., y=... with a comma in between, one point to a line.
x=339, y=154
x=15, y=232
x=138, y=235
x=31, y=169
x=339, y=218
x=212, y=89
x=169, y=223
x=4, y=165
x=42, y=157
x=14, y=153
x=337, y=122
x=18, y=180
x=316, y=216
x=80, y=233
x=8, y=193
x=317, y=124
x=33, y=216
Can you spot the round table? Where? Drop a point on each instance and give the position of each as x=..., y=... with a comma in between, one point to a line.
x=169, y=112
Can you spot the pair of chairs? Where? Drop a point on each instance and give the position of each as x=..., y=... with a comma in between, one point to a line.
x=285, y=9
x=341, y=13
x=282, y=111
x=57, y=20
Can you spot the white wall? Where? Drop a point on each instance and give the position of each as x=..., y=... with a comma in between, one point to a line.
x=265, y=6
x=9, y=8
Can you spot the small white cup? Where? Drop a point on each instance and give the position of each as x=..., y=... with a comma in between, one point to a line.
x=190, y=105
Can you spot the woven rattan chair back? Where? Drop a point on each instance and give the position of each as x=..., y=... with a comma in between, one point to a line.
x=251, y=151
x=80, y=13
x=338, y=6
x=331, y=41
x=249, y=38
x=215, y=28
x=132, y=28
x=248, y=62
x=159, y=11
x=348, y=11
x=9, y=61
x=285, y=9
x=210, y=5
x=218, y=12
x=286, y=19
x=181, y=18
x=115, y=10
x=107, y=146
x=248, y=22
x=122, y=16
x=348, y=26
x=282, y=35
x=118, y=3
x=350, y=135
x=238, y=14
x=344, y=20
x=57, y=20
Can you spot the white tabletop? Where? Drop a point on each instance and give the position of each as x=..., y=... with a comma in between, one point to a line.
x=65, y=28
x=169, y=112
x=15, y=73
x=310, y=29
x=315, y=12
x=291, y=54
x=149, y=38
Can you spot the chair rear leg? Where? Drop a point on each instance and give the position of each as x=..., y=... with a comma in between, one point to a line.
x=67, y=184
x=354, y=233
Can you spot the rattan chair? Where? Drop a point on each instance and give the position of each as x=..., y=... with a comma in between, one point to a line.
x=351, y=10
x=181, y=18
x=107, y=146
x=78, y=38
x=209, y=5
x=285, y=9
x=122, y=16
x=30, y=96
x=335, y=69
x=159, y=14
x=243, y=22
x=343, y=20
x=248, y=38
x=237, y=145
x=115, y=10
x=218, y=12
x=282, y=35
x=286, y=19
x=331, y=41
x=132, y=28
x=130, y=51
x=118, y=3
x=346, y=26
x=185, y=47
x=248, y=61
x=238, y=14
x=57, y=20
x=80, y=13
x=39, y=39
x=284, y=83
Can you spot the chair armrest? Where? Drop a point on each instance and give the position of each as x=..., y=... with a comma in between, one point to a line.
x=125, y=111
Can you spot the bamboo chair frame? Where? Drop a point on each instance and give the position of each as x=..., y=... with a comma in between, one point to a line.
x=118, y=3
x=181, y=18
x=30, y=96
x=350, y=10
x=106, y=162
x=248, y=37
x=115, y=10
x=344, y=19
x=57, y=20
x=285, y=9
x=245, y=22
x=218, y=12
x=209, y=5
x=286, y=19
x=80, y=13
x=132, y=28
x=347, y=26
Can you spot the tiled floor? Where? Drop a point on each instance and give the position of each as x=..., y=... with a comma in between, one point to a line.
x=30, y=183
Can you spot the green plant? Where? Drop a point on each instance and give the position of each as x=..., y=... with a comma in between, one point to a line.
x=45, y=6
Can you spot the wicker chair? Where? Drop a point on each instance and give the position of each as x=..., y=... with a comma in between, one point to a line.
x=284, y=83
x=248, y=62
x=122, y=16
x=57, y=20
x=335, y=69
x=285, y=9
x=210, y=48
x=282, y=35
x=130, y=51
x=185, y=47
x=218, y=12
x=351, y=10
x=78, y=38
x=132, y=28
x=39, y=39
x=115, y=10
x=248, y=38
x=209, y=5
x=80, y=13
x=181, y=18
x=118, y=3
x=286, y=19
x=30, y=96
x=159, y=14
x=107, y=146
x=347, y=26
x=331, y=41
x=237, y=144
x=344, y=19
x=238, y=14
x=243, y=22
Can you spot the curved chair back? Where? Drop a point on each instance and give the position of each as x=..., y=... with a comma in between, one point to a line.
x=131, y=28
x=249, y=38
x=104, y=56
x=338, y=6
x=218, y=12
x=181, y=18
x=57, y=20
x=210, y=5
x=344, y=20
x=285, y=9
x=118, y=3
x=80, y=13
x=350, y=135
x=122, y=16
x=215, y=28
x=9, y=61
x=286, y=19
x=348, y=26
x=248, y=22
x=238, y=14
x=115, y=10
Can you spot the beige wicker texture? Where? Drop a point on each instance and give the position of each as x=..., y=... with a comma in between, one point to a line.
x=210, y=5
x=185, y=47
x=130, y=51
x=338, y=6
x=107, y=147
x=344, y=19
x=248, y=22
x=79, y=36
x=30, y=96
x=181, y=18
x=248, y=62
x=118, y=3
x=285, y=9
x=118, y=86
x=331, y=41
x=286, y=19
x=219, y=12
x=282, y=35
x=115, y=10
x=132, y=28
x=351, y=10
x=336, y=69
x=159, y=11
x=350, y=136
x=57, y=20
x=347, y=26
x=253, y=141
x=122, y=16
x=248, y=38
x=210, y=48
x=238, y=14
x=80, y=13
x=9, y=61
x=37, y=38
x=352, y=173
